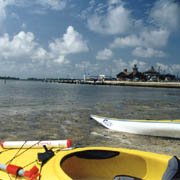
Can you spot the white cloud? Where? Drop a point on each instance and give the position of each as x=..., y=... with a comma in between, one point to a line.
x=21, y=44
x=148, y=52
x=71, y=42
x=166, y=14
x=53, y=4
x=169, y=68
x=117, y=20
x=40, y=54
x=87, y=11
x=112, y=2
x=24, y=46
x=3, y=13
x=128, y=41
x=155, y=38
x=21, y=54
x=145, y=44
x=149, y=39
x=23, y=50
x=105, y=54
x=45, y=4
x=60, y=59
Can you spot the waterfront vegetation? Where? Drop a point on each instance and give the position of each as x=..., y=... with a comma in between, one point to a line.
x=9, y=78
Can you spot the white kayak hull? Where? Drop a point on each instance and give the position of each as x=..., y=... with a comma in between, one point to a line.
x=161, y=128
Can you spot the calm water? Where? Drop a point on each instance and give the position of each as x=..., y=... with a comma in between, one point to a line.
x=36, y=110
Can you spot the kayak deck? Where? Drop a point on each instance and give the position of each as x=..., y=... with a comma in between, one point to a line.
x=91, y=163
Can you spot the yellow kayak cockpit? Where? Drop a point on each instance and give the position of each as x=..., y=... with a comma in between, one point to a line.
x=102, y=165
x=117, y=164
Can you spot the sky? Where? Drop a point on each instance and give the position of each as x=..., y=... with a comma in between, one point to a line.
x=70, y=38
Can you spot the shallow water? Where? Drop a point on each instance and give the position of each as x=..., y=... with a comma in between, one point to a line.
x=37, y=110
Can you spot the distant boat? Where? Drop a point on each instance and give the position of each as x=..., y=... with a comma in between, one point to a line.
x=163, y=128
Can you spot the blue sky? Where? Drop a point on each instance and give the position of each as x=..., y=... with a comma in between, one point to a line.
x=69, y=38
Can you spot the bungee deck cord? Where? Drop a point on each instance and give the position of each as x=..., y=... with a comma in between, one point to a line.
x=32, y=174
x=43, y=157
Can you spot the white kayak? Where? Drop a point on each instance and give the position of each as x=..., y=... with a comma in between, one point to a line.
x=163, y=128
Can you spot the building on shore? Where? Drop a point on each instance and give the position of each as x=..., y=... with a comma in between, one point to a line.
x=134, y=75
x=149, y=75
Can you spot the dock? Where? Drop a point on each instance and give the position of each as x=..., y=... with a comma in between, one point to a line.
x=162, y=84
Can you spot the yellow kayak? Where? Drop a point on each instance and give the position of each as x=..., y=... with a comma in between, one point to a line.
x=86, y=163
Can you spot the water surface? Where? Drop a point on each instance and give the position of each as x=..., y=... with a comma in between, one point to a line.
x=36, y=110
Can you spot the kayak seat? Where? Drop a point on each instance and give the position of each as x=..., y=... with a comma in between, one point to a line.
x=173, y=170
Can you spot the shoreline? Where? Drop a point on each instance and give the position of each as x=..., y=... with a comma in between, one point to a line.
x=137, y=84
x=158, y=84
x=120, y=83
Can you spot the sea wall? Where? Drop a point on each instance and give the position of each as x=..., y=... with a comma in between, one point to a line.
x=118, y=83
x=136, y=84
